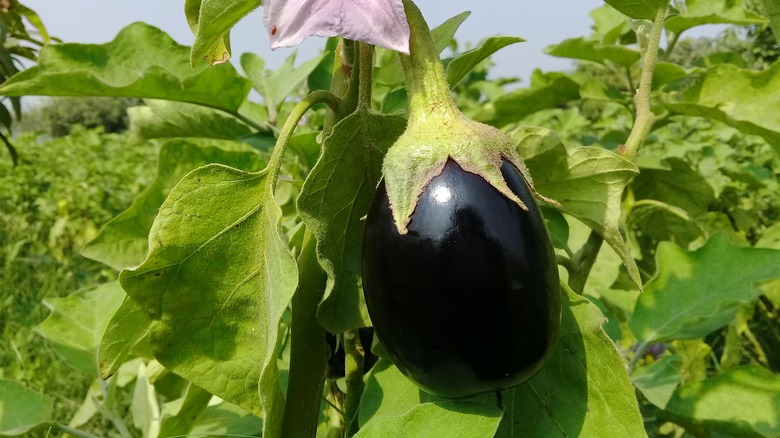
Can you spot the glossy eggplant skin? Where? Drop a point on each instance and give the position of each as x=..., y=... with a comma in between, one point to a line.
x=468, y=301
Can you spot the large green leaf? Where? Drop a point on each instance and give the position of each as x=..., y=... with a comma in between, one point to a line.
x=459, y=67
x=548, y=90
x=166, y=119
x=211, y=21
x=334, y=198
x=595, y=51
x=22, y=409
x=583, y=390
x=216, y=282
x=700, y=12
x=78, y=321
x=142, y=61
x=123, y=241
x=638, y=8
x=457, y=419
x=577, y=393
x=742, y=402
x=698, y=292
x=588, y=183
x=181, y=415
x=741, y=98
x=608, y=24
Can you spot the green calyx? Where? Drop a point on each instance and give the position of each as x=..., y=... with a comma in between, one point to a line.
x=438, y=131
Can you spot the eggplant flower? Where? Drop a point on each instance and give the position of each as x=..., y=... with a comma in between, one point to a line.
x=378, y=22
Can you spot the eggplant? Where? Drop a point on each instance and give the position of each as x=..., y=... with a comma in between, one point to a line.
x=468, y=300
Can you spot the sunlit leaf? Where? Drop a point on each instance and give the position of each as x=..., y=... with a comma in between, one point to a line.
x=78, y=321
x=123, y=241
x=459, y=67
x=548, y=90
x=142, y=61
x=334, y=199
x=145, y=407
x=741, y=402
x=275, y=86
x=22, y=409
x=181, y=415
x=741, y=98
x=217, y=279
x=638, y=8
x=167, y=119
x=588, y=182
x=700, y=12
x=595, y=51
x=127, y=327
x=695, y=293
x=457, y=419
x=211, y=21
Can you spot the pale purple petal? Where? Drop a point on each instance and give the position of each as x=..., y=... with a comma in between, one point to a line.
x=378, y=22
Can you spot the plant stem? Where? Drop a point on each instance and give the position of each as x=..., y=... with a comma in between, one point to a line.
x=308, y=351
x=426, y=83
x=644, y=115
x=672, y=45
x=291, y=123
x=366, y=75
x=583, y=262
x=352, y=93
x=338, y=86
x=353, y=365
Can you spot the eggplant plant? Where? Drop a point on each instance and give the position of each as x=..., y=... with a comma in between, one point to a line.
x=416, y=250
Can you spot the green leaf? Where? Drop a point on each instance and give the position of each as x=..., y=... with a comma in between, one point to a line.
x=666, y=72
x=217, y=279
x=608, y=24
x=577, y=393
x=457, y=419
x=226, y=420
x=595, y=51
x=741, y=98
x=142, y=61
x=741, y=402
x=181, y=415
x=128, y=326
x=336, y=195
x=123, y=241
x=772, y=9
x=658, y=380
x=166, y=119
x=211, y=21
x=698, y=292
x=663, y=222
x=22, y=409
x=672, y=180
x=700, y=12
x=583, y=390
x=588, y=182
x=548, y=90
x=459, y=67
x=638, y=8
x=78, y=321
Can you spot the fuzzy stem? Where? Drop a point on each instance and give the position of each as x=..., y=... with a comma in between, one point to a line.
x=338, y=86
x=354, y=379
x=644, y=115
x=291, y=123
x=308, y=351
x=366, y=75
x=583, y=262
x=426, y=83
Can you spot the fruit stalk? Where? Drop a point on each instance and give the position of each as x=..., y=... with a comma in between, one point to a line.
x=426, y=83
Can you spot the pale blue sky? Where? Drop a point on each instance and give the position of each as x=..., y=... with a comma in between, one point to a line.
x=541, y=23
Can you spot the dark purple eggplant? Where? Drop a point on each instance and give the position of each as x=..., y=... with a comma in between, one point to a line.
x=468, y=301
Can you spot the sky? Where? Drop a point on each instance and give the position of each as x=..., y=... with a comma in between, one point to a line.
x=541, y=23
